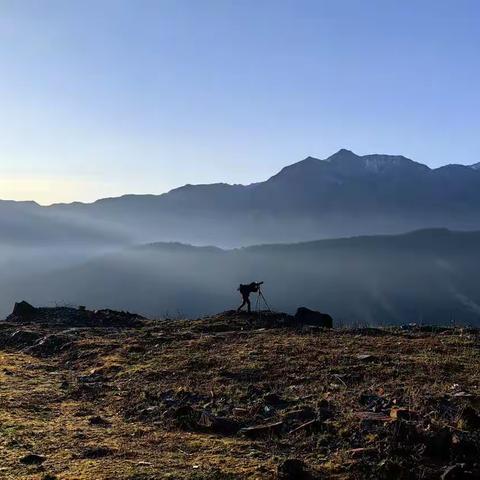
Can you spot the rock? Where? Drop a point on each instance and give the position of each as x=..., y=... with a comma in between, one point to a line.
x=365, y=357
x=23, y=309
x=464, y=448
x=469, y=419
x=185, y=417
x=438, y=444
x=391, y=468
x=49, y=476
x=23, y=312
x=373, y=402
x=262, y=431
x=21, y=339
x=219, y=425
x=49, y=345
x=99, y=421
x=274, y=400
x=32, y=459
x=97, y=452
x=462, y=395
x=404, y=433
x=301, y=414
x=409, y=327
x=398, y=413
x=292, y=469
x=305, y=316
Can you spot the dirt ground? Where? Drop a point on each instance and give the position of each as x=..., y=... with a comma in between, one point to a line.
x=228, y=397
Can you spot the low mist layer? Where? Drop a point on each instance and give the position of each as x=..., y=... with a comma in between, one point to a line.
x=428, y=276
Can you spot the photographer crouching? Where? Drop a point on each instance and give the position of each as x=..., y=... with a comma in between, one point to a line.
x=245, y=291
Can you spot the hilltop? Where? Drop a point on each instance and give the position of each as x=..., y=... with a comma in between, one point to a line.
x=233, y=397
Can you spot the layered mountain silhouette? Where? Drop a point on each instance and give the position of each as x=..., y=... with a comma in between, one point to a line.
x=428, y=276
x=345, y=194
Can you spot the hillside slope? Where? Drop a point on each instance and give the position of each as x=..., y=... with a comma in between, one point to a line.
x=429, y=276
x=223, y=399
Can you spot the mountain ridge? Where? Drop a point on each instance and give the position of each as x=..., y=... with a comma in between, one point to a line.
x=343, y=195
x=339, y=154
x=382, y=279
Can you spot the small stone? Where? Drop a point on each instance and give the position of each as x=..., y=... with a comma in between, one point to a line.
x=97, y=452
x=274, y=400
x=439, y=444
x=219, y=425
x=99, y=421
x=291, y=469
x=469, y=419
x=365, y=357
x=32, y=459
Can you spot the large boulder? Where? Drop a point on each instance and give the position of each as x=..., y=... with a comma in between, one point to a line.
x=305, y=316
x=23, y=312
x=23, y=309
x=49, y=345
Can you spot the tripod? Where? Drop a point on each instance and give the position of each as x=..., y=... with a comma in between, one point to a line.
x=258, y=304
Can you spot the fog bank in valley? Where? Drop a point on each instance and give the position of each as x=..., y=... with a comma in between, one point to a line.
x=428, y=276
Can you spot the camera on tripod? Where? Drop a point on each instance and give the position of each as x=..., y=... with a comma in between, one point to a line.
x=260, y=299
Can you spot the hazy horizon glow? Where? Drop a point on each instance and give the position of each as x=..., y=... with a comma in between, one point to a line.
x=107, y=97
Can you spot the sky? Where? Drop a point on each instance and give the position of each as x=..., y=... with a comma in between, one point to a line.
x=100, y=98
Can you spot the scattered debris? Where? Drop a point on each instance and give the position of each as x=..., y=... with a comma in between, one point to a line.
x=307, y=426
x=262, y=431
x=251, y=390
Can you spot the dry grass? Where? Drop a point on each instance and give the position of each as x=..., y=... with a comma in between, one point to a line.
x=133, y=379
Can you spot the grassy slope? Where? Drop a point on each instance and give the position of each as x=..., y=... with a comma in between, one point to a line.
x=46, y=403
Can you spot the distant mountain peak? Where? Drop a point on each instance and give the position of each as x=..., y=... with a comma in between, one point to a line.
x=475, y=166
x=310, y=159
x=342, y=154
x=346, y=163
x=349, y=161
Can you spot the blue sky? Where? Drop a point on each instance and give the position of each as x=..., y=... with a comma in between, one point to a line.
x=104, y=97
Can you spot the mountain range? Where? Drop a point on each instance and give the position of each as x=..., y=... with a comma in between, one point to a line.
x=343, y=195
x=118, y=252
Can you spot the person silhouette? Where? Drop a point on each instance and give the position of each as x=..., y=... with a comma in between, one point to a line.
x=245, y=291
